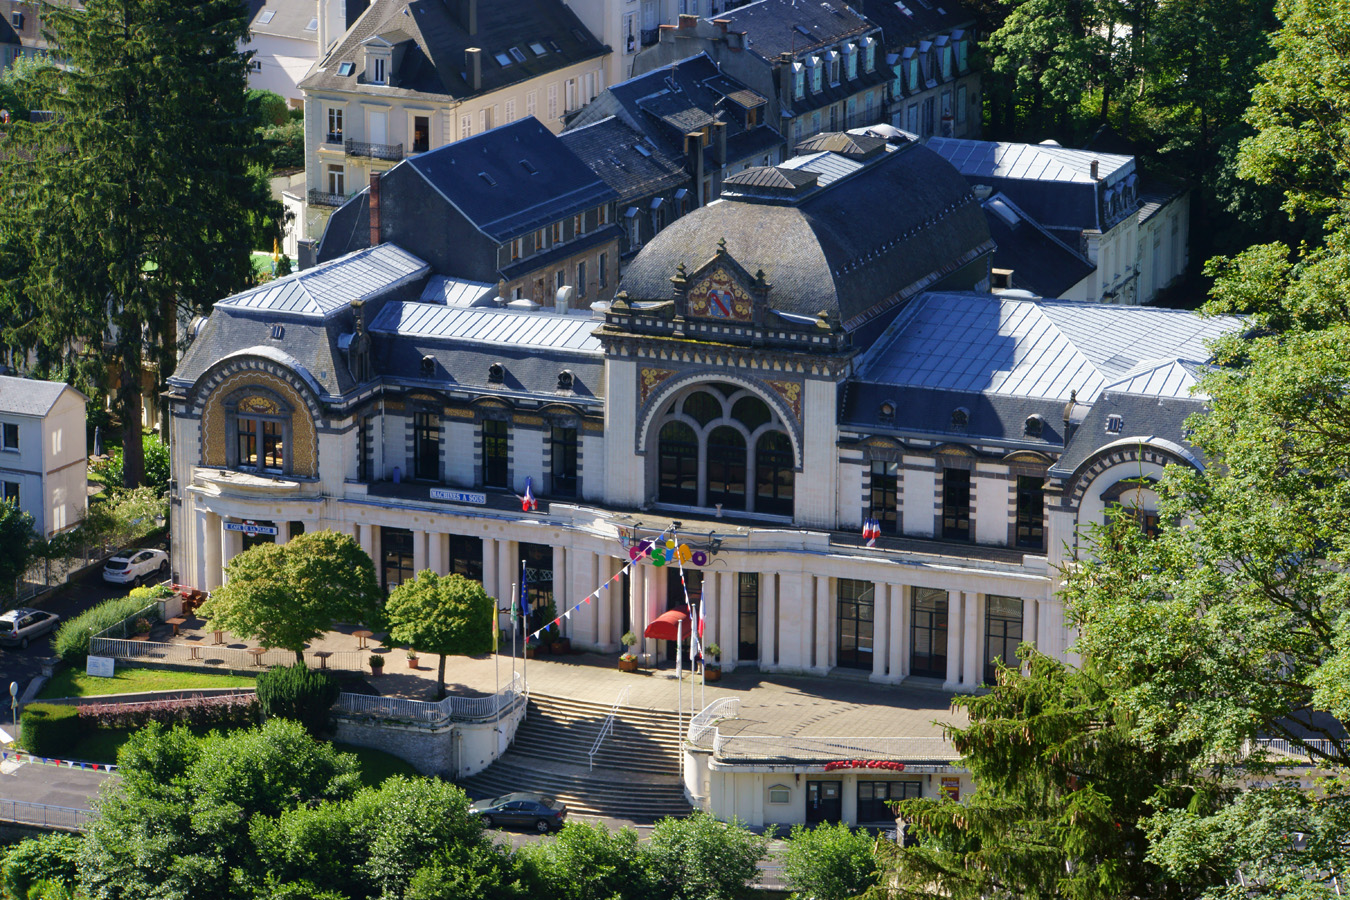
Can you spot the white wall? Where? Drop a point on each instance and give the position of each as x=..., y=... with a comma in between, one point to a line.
x=919, y=485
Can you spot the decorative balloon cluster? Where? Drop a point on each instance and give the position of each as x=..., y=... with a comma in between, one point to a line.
x=668, y=553
x=865, y=764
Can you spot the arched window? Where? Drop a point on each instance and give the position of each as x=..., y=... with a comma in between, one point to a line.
x=702, y=407
x=751, y=412
x=726, y=468
x=678, y=460
x=773, y=474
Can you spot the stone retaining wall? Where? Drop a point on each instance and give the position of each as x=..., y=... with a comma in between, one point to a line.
x=455, y=750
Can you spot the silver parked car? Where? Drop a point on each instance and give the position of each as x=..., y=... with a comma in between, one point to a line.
x=19, y=626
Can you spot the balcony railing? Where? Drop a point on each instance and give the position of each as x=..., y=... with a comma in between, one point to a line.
x=650, y=36
x=323, y=198
x=333, y=137
x=391, y=152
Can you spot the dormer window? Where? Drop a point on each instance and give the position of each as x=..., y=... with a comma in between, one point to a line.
x=816, y=72
x=960, y=418
x=942, y=47
x=1034, y=427
x=870, y=54
x=496, y=374
x=962, y=45
x=833, y=57
x=377, y=61
x=565, y=380
x=799, y=81
x=851, y=67
x=377, y=71
x=1115, y=424
x=428, y=366
x=886, y=413
x=911, y=67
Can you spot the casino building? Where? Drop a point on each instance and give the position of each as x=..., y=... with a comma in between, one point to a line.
x=816, y=349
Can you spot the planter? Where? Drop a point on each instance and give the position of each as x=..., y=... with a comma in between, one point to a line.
x=712, y=673
x=139, y=637
x=412, y=662
x=376, y=671
x=531, y=652
x=628, y=665
x=562, y=646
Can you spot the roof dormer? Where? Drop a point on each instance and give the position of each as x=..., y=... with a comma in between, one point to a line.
x=379, y=55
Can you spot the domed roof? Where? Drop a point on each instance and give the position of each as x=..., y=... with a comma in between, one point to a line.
x=856, y=242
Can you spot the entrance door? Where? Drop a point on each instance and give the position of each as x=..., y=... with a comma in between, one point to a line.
x=928, y=633
x=675, y=600
x=824, y=801
x=748, y=617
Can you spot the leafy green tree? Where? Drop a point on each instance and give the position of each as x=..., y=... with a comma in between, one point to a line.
x=829, y=862
x=700, y=858
x=18, y=538
x=449, y=615
x=155, y=454
x=21, y=90
x=148, y=149
x=588, y=861
x=269, y=107
x=285, y=595
x=50, y=860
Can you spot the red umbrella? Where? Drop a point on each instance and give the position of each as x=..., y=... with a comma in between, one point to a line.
x=668, y=627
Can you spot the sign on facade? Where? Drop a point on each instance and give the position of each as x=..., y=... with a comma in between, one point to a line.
x=951, y=787
x=458, y=496
x=250, y=528
x=99, y=666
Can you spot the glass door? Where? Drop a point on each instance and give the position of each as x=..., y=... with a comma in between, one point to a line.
x=856, y=608
x=928, y=633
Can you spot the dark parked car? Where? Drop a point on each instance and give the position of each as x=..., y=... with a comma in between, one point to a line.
x=536, y=811
x=19, y=626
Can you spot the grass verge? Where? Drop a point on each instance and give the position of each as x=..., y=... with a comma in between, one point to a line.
x=74, y=683
x=376, y=765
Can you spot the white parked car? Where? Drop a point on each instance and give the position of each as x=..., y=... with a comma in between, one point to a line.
x=136, y=567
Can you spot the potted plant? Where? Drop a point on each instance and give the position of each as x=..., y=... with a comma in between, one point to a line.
x=712, y=664
x=628, y=662
x=141, y=629
x=412, y=658
x=376, y=664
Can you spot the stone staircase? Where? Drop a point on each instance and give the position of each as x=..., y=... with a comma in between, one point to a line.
x=637, y=768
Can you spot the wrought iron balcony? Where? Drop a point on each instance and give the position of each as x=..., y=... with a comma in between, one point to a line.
x=391, y=152
x=650, y=36
x=323, y=198
x=333, y=137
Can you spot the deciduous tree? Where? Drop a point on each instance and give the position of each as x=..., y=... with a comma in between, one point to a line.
x=18, y=538
x=285, y=595
x=448, y=615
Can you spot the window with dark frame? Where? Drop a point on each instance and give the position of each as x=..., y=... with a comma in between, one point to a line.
x=396, y=555
x=678, y=464
x=747, y=613
x=956, y=504
x=875, y=799
x=421, y=134
x=260, y=444
x=564, y=448
x=12, y=492
x=426, y=447
x=885, y=495
x=928, y=633
x=1031, y=512
x=775, y=480
x=1002, y=633
x=494, y=453
x=11, y=436
x=466, y=557
x=856, y=611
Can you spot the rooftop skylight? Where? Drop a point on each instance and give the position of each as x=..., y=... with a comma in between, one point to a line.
x=266, y=16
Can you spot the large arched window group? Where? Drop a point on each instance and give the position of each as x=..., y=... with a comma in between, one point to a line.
x=721, y=444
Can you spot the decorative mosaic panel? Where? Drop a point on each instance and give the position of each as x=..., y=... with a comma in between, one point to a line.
x=791, y=391
x=720, y=296
x=651, y=378
x=304, y=448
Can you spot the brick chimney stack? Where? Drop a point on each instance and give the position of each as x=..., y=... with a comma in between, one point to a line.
x=374, y=209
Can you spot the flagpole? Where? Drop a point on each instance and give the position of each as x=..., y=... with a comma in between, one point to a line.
x=679, y=691
x=525, y=632
x=496, y=668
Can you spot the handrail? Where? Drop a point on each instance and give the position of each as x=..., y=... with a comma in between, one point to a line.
x=65, y=818
x=1302, y=747
x=701, y=724
x=432, y=713
x=608, y=726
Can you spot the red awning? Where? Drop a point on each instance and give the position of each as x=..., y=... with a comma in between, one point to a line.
x=667, y=625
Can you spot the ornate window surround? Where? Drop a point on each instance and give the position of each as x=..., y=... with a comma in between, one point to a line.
x=280, y=411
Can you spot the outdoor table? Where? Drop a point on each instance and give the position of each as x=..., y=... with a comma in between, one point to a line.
x=220, y=636
x=175, y=622
x=257, y=654
x=196, y=651
x=361, y=638
x=322, y=656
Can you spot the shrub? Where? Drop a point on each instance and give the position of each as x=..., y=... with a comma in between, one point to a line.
x=156, y=464
x=48, y=860
x=49, y=729
x=72, y=638
x=298, y=693
x=150, y=593
x=829, y=862
x=223, y=712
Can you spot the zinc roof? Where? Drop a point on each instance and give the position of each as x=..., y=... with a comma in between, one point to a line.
x=1164, y=378
x=1042, y=349
x=457, y=292
x=331, y=286
x=1038, y=162
x=498, y=327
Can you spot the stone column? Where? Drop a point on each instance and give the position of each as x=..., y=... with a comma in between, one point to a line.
x=212, y=575
x=367, y=542
x=436, y=552
x=768, y=620
x=637, y=605
x=710, y=607
x=605, y=607
x=881, y=632
x=508, y=569
x=972, y=669
x=419, y=551
x=729, y=623
x=490, y=583
x=231, y=545
x=653, y=597
x=823, y=629
x=283, y=532
x=899, y=642
x=1031, y=614
x=955, y=642
x=562, y=592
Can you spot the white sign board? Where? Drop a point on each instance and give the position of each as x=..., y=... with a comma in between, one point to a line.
x=99, y=666
x=458, y=496
x=250, y=528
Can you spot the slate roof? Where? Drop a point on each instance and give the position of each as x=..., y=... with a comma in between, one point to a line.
x=331, y=286
x=1035, y=349
x=532, y=179
x=492, y=327
x=1154, y=195
x=1145, y=419
x=288, y=19
x=430, y=43
x=927, y=413
x=834, y=249
x=1040, y=262
x=608, y=147
x=29, y=396
x=919, y=20
x=772, y=27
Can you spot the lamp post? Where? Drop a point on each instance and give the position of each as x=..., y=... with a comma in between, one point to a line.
x=14, y=703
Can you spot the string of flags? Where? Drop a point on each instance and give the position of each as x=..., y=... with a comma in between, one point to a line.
x=60, y=763
x=634, y=559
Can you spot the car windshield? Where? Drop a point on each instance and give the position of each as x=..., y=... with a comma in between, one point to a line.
x=116, y=564
x=6, y=627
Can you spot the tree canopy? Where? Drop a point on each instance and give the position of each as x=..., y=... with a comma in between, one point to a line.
x=19, y=539
x=285, y=595
x=448, y=615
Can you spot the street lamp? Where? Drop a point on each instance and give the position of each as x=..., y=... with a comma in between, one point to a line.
x=14, y=703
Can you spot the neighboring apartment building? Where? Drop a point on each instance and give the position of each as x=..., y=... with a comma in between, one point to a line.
x=687, y=117
x=816, y=350
x=1072, y=222
x=43, y=454
x=511, y=207
x=288, y=36
x=408, y=77
x=21, y=34
x=819, y=64
x=934, y=90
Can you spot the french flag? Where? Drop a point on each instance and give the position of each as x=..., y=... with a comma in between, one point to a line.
x=528, y=503
x=871, y=530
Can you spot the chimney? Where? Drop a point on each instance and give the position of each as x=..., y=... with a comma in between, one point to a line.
x=719, y=143
x=307, y=250
x=693, y=151
x=473, y=68
x=468, y=16
x=688, y=20
x=374, y=209
x=786, y=81
x=722, y=24
x=1095, y=168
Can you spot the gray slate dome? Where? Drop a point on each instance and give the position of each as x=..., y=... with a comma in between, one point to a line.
x=856, y=244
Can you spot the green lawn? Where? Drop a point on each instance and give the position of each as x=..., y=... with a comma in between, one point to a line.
x=376, y=765
x=74, y=683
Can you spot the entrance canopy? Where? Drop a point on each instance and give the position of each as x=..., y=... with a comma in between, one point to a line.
x=668, y=626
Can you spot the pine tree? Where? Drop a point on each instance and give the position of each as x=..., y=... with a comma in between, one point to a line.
x=137, y=192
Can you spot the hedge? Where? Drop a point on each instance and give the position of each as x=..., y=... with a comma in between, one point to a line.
x=49, y=729
x=72, y=638
x=220, y=711
x=299, y=693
